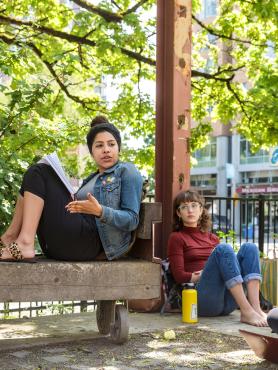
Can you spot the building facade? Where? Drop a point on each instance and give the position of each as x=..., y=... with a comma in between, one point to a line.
x=226, y=167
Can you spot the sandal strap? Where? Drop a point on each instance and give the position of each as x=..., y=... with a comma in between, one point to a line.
x=2, y=245
x=15, y=251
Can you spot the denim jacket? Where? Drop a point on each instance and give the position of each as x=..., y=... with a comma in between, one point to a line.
x=118, y=190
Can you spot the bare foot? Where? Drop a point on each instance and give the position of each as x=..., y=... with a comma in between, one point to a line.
x=253, y=318
x=260, y=312
x=7, y=239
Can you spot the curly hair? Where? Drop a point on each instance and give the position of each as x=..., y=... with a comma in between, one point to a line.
x=204, y=222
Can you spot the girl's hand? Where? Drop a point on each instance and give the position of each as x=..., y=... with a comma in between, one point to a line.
x=90, y=206
x=196, y=275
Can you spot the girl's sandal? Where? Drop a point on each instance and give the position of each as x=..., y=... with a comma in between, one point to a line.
x=16, y=254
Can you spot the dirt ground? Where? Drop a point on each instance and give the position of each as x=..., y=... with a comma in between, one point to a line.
x=188, y=348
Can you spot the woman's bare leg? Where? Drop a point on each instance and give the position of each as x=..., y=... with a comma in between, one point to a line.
x=14, y=228
x=253, y=289
x=32, y=210
x=248, y=313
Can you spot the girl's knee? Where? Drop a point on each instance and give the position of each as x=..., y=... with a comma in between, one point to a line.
x=224, y=248
x=249, y=248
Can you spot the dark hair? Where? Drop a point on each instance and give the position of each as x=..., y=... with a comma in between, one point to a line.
x=101, y=124
x=190, y=196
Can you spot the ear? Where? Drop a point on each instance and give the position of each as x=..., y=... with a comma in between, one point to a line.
x=178, y=213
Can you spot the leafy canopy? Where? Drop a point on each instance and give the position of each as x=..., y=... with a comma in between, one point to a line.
x=54, y=56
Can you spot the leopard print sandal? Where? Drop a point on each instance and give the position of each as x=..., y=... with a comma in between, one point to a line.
x=16, y=254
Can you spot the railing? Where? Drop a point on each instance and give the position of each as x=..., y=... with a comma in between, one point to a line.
x=17, y=310
x=251, y=219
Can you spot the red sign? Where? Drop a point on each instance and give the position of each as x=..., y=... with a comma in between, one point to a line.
x=257, y=189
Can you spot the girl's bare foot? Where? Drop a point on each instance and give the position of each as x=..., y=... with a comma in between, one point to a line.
x=258, y=309
x=262, y=314
x=252, y=317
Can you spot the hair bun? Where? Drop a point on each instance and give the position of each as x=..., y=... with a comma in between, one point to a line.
x=99, y=120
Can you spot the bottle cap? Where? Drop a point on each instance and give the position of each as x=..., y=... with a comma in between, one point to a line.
x=189, y=285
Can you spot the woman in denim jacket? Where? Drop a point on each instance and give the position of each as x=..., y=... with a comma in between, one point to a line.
x=99, y=222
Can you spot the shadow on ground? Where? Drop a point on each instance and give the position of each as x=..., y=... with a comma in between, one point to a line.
x=189, y=348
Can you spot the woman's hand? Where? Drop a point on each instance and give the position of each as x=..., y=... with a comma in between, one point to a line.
x=196, y=275
x=90, y=206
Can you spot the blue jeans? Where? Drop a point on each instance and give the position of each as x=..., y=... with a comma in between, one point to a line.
x=223, y=270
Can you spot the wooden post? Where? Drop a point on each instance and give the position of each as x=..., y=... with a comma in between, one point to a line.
x=172, y=109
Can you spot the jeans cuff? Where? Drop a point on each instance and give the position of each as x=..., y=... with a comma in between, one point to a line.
x=252, y=276
x=234, y=281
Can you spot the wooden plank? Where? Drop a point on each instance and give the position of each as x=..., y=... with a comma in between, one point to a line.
x=143, y=247
x=54, y=280
x=149, y=213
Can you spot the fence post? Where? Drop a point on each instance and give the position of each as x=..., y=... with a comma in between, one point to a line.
x=83, y=306
x=261, y=223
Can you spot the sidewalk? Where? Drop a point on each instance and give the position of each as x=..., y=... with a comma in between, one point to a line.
x=25, y=333
x=72, y=342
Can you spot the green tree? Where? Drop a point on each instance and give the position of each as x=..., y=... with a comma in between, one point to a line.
x=54, y=54
x=242, y=39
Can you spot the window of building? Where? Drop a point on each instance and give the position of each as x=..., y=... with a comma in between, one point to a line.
x=206, y=157
x=212, y=39
x=270, y=51
x=203, y=180
x=263, y=180
x=245, y=86
x=209, y=65
x=209, y=8
x=247, y=157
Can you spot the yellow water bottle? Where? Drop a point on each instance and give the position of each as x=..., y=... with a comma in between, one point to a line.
x=189, y=304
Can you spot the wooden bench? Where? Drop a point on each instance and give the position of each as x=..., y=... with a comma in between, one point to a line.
x=103, y=281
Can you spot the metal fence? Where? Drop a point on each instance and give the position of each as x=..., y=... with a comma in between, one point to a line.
x=248, y=219
x=245, y=219
x=17, y=310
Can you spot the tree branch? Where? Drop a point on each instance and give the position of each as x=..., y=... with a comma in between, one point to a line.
x=48, y=31
x=24, y=144
x=209, y=76
x=114, y=3
x=52, y=71
x=248, y=2
x=81, y=57
x=63, y=87
x=218, y=34
x=108, y=16
x=213, y=76
x=135, y=7
x=7, y=40
x=241, y=103
x=73, y=38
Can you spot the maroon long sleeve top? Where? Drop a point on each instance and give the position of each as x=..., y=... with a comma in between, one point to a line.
x=188, y=251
